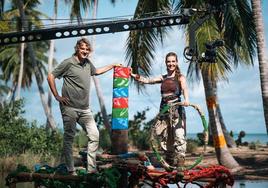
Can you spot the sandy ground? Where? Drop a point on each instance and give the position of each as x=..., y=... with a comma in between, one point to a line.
x=254, y=163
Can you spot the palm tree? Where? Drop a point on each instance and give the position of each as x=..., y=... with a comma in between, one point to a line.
x=11, y=55
x=263, y=60
x=1, y=7
x=76, y=6
x=33, y=55
x=22, y=48
x=105, y=117
x=234, y=26
x=76, y=13
x=50, y=59
x=3, y=89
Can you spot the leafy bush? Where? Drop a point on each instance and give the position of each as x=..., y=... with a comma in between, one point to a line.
x=105, y=141
x=80, y=139
x=139, y=131
x=192, y=145
x=19, y=136
x=254, y=145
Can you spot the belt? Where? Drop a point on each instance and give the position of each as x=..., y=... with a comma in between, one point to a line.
x=171, y=98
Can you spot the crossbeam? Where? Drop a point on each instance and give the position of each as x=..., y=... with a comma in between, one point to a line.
x=95, y=28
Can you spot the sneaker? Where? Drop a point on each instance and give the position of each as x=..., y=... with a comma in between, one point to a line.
x=94, y=171
x=181, y=162
x=73, y=173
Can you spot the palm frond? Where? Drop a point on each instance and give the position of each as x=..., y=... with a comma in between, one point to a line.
x=239, y=33
x=234, y=25
x=141, y=44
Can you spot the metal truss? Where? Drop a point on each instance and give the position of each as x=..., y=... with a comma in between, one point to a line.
x=94, y=28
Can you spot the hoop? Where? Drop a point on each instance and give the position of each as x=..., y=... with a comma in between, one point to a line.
x=155, y=142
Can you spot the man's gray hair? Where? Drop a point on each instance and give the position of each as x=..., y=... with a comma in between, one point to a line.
x=83, y=40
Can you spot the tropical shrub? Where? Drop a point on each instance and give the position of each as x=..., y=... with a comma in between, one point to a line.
x=19, y=136
x=192, y=145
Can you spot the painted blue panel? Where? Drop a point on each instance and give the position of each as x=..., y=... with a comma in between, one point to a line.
x=119, y=123
x=120, y=92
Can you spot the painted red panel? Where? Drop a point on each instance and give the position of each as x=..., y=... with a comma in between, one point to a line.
x=120, y=102
x=121, y=72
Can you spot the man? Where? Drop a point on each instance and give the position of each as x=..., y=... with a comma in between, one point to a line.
x=74, y=102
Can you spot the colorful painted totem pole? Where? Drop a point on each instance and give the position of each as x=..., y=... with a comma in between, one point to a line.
x=120, y=110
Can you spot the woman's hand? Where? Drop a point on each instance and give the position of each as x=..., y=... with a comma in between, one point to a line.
x=186, y=103
x=135, y=76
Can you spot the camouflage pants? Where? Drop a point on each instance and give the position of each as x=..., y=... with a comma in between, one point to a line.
x=169, y=130
x=70, y=117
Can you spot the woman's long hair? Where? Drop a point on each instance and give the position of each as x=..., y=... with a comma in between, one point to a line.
x=177, y=70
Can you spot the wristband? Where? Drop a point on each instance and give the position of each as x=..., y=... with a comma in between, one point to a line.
x=137, y=77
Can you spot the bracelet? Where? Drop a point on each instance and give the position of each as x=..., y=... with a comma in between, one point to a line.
x=137, y=77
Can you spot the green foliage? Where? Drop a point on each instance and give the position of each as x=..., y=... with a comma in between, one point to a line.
x=10, y=55
x=19, y=136
x=192, y=145
x=200, y=137
x=231, y=134
x=80, y=139
x=254, y=145
x=3, y=88
x=139, y=130
x=105, y=141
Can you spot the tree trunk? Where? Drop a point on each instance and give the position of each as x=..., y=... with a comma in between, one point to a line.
x=230, y=140
x=49, y=97
x=36, y=71
x=102, y=105
x=21, y=68
x=50, y=62
x=97, y=85
x=263, y=60
x=223, y=154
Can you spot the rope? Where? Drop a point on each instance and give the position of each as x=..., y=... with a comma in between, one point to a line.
x=106, y=178
x=154, y=143
x=220, y=173
x=210, y=177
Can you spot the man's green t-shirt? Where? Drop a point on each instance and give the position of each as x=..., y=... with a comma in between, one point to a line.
x=76, y=81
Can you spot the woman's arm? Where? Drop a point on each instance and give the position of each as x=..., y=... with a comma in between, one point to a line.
x=184, y=89
x=144, y=80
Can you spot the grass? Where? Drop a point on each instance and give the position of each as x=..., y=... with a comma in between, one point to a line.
x=9, y=164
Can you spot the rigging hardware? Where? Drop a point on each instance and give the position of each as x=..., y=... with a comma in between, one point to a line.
x=94, y=28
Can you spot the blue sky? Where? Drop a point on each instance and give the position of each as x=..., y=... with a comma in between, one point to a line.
x=240, y=98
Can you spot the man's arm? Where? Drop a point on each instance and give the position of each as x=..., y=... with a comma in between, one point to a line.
x=53, y=88
x=105, y=68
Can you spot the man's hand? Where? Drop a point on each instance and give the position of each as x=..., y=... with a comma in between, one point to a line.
x=117, y=65
x=63, y=100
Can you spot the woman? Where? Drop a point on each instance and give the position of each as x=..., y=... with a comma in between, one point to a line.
x=170, y=127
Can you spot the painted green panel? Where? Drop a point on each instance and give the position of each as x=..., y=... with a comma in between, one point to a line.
x=120, y=82
x=120, y=113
